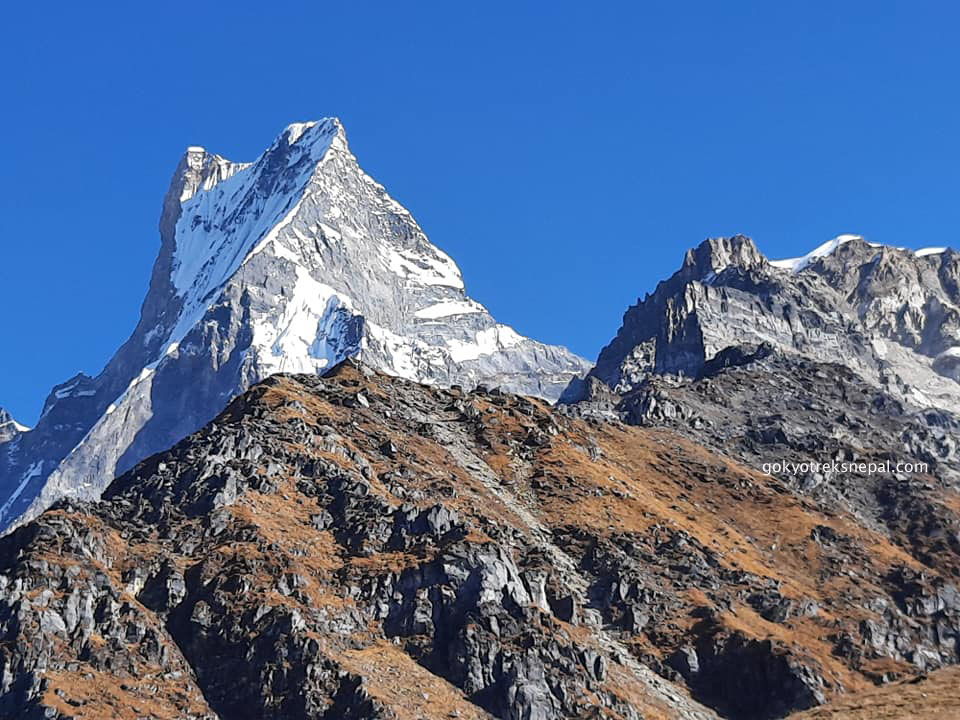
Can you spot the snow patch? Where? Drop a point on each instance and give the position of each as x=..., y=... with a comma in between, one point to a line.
x=16, y=426
x=32, y=472
x=424, y=269
x=487, y=342
x=923, y=252
x=308, y=334
x=71, y=391
x=399, y=350
x=448, y=308
x=296, y=130
x=799, y=263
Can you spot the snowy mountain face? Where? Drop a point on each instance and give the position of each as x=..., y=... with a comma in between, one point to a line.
x=890, y=315
x=287, y=264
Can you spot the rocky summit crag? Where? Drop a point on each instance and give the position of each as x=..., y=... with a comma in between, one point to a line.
x=361, y=546
x=286, y=264
x=890, y=315
x=9, y=428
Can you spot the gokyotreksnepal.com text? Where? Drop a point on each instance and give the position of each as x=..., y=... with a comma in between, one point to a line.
x=838, y=467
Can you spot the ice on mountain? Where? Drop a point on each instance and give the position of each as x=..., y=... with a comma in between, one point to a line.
x=421, y=268
x=799, y=263
x=449, y=307
x=828, y=248
x=33, y=471
x=923, y=252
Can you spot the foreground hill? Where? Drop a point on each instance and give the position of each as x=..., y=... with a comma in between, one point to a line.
x=360, y=546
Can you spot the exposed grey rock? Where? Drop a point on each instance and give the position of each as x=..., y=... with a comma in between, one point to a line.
x=10, y=429
x=890, y=315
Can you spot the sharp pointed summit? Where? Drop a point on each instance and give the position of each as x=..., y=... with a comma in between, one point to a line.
x=289, y=263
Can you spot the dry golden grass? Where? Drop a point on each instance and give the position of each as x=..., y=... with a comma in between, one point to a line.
x=642, y=478
x=408, y=689
x=288, y=521
x=106, y=696
x=625, y=685
x=935, y=698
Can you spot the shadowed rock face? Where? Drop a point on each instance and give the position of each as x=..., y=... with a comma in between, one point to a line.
x=287, y=264
x=360, y=546
x=890, y=315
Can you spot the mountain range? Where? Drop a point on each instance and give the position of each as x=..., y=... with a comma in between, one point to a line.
x=320, y=481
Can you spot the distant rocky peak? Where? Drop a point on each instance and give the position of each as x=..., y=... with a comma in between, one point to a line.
x=849, y=250
x=715, y=255
x=79, y=386
x=890, y=314
x=9, y=428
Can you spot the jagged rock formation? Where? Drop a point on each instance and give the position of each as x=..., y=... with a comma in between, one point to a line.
x=360, y=546
x=290, y=263
x=9, y=428
x=890, y=315
x=822, y=430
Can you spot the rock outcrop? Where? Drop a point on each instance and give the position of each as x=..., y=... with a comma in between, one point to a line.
x=10, y=429
x=890, y=315
x=361, y=546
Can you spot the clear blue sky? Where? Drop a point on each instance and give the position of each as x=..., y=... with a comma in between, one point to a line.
x=564, y=154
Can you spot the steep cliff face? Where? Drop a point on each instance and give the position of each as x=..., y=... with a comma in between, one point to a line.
x=360, y=546
x=890, y=315
x=286, y=264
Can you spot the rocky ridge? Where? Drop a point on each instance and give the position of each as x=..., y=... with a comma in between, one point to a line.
x=890, y=315
x=362, y=546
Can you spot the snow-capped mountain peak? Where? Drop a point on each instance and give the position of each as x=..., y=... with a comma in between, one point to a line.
x=289, y=263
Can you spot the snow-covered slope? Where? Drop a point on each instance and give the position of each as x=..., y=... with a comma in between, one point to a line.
x=286, y=264
x=829, y=247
